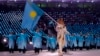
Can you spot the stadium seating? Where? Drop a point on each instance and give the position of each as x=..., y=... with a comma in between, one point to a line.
x=76, y=20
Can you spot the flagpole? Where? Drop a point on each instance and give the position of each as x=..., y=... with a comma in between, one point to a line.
x=51, y=17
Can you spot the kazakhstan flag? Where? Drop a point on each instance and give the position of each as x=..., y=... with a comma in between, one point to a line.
x=32, y=14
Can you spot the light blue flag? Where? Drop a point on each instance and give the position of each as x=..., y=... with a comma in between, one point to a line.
x=32, y=14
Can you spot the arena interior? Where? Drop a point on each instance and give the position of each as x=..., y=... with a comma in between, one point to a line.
x=80, y=17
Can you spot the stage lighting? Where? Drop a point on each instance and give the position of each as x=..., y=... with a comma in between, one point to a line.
x=78, y=1
x=59, y=5
x=63, y=0
x=31, y=43
x=47, y=0
x=71, y=1
x=88, y=1
x=31, y=0
x=15, y=0
x=92, y=1
x=4, y=40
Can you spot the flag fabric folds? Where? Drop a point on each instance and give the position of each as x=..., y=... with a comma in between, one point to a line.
x=32, y=14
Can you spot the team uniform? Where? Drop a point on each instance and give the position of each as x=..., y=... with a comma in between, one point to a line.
x=37, y=41
x=11, y=42
x=92, y=44
x=22, y=41
x=80, y=42
x=97, y=42
x=48, y=43
x=53, y=43
x=74, y=41
x=68, y=40
x=87, y=42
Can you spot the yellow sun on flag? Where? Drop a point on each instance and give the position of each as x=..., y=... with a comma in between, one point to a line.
x=33, y=14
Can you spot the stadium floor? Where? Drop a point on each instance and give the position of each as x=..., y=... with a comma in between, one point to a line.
x=46, y=53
